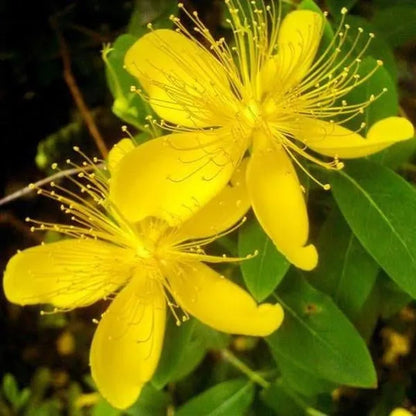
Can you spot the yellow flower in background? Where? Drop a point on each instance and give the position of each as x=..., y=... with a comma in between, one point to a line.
x=399, y=411
x=143, y=267
x=268, y=94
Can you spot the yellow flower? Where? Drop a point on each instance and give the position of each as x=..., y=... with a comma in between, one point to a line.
x=399, y=411
x=268, y=94
x=143, y=266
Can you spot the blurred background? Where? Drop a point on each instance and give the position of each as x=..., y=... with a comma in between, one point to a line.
x=44, y=359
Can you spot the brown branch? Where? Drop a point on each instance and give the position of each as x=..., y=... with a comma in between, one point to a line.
x=75, y=91
x=33, y=187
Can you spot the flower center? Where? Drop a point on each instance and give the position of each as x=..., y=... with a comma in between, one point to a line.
x=252, y=114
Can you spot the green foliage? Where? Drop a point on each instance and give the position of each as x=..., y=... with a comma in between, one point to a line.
x=176, y=338
x=313, y=323
x=150, y=11
x=231, y=397
x=378, y=47
x=51, y=149
x=284, y=401
x=264, y=272
x=345, y=271
x=379, y=85
x=365, y=235
x=404, y=31
x=151, y=402
x=127, y=105
x=379, y=207
x=335, y=6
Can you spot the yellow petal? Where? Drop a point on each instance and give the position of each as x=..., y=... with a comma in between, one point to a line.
x=67, y=274
x=173, y=176
x=118, y=151
x=299, y=37
x=127, y=343
x=279, y=205
x=222, y=212
x=219, y=303
x=185, y=83
x=331, y=139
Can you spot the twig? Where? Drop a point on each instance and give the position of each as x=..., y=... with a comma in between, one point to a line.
x=75, y=91
x=28, y=189
x=252, y=375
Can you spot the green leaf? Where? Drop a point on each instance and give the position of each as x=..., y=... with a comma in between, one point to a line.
x=23, y=398
x=176, y=338
x=301, y=381
x=150, y=403
x=282, y=400
x=10, y=389
x=392, y=298
x=318, y=338
x=228, y=398
x=328, y=34
x=367, y=318
x=61, y=142
x=378, y=49
x=285, y=401
x=380, y=207
x=345, y=271
x=396, y=155
x=396, y=23
x=156, y=12
x=103, y=408
x=211, y=338
x=386, y=105
x=193, y=354
x=202, y=339
x=380, y=4
x=263, y=272
x=127, y=104
x=335, y=6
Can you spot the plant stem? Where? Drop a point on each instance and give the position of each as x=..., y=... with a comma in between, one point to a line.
x=237, y=363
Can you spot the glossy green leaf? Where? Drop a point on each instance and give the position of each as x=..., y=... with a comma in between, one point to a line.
x=103, y=408
x=396, y=155
x=345, y=271
x=151, y=402
x=318, y=338
x=378, y=48
x=127, y=104
x=285, y=401
x=282, y=400
x=225, y=399
x=387, y=103
x=367, y=318
x=193, y=353
x=396, y=23
x=264, y=272
x=176, y=338
x=301, y=381
x=203, y=338
x=209, y=337
x=392, y=298
x=380, y=207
